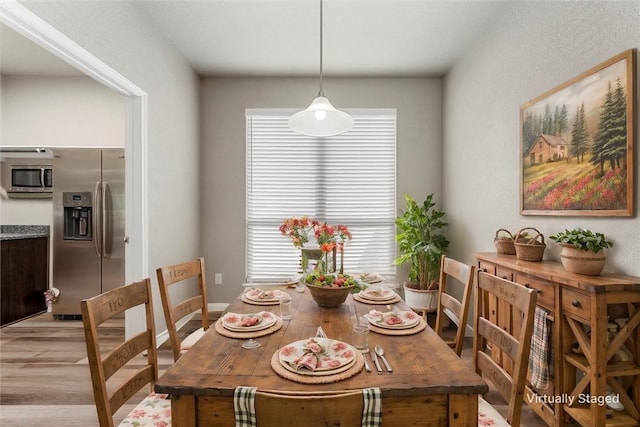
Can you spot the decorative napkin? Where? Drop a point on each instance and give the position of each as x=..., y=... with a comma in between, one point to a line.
x=540, y=350
x=372, y=413
x=309, y=360
x=244, y=399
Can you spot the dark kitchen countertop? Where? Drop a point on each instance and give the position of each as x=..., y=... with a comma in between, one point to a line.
x=15, y=232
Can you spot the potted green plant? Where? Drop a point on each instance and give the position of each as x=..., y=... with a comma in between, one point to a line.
x=582, y=250
x=422, y=244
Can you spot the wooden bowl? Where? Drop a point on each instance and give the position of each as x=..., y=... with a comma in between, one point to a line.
x=329, y=297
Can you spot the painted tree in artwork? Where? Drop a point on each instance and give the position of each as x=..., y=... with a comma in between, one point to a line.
x=610, y=145
x=529, y=130
x=579, y=135
x=547, y=121
x=560, y=120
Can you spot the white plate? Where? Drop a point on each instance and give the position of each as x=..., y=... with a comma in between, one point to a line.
x=407, y=319
x=343, y=368
x=233, y=321
x=378, y=293
x=285, y=282
x=261, y=295
x=371, y=278
x=333, y=356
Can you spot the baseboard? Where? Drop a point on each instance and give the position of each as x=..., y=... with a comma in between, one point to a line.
x=162, y=337
x=468, y=331
x=217, y=306
x=212, y=307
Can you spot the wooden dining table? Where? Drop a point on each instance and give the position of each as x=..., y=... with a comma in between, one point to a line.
x=429, y=386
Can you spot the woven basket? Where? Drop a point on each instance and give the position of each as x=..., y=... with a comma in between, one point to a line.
x=329, y=297
x=529, y=248
x=504, y=246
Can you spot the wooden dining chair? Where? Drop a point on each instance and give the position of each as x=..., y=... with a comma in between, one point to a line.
x=187, y=275
x=494, y=347
x=448, y=306
x=122, y=365
x=332, y=408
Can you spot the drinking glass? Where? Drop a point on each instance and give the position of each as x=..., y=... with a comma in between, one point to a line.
x=285, y=306
x=360, y=336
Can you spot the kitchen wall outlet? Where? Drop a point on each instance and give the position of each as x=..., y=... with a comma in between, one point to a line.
x=217, y=279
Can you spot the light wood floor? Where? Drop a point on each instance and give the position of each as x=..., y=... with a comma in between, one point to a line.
x=45, y=381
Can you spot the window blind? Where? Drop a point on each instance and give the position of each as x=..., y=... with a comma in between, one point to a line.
x=348, y=179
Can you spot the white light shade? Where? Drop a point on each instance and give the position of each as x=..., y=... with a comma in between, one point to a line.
x=321, y=119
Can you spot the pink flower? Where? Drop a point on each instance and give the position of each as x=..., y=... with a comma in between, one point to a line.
x=288, y=351
x=328, y=236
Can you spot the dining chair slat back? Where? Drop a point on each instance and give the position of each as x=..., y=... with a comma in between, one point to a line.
x=448, y=306
x=335, y=409
x=508, y=372
x=122, y=364
x=182, y=275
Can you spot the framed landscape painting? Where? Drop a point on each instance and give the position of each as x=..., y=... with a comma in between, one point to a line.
x=577, y=144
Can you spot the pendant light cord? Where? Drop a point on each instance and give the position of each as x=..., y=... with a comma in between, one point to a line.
x=321, y=93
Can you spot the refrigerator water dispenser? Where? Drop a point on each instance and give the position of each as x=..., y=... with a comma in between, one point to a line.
x=77, y=215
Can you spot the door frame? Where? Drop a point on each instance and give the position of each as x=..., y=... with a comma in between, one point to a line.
x=31, y=26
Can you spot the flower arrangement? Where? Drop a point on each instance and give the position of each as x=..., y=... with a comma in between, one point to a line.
x=330, y=238
x=298, y=228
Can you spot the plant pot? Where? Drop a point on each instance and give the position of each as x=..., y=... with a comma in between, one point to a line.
x=329, y=297
x=421, y=299
x=582, y=262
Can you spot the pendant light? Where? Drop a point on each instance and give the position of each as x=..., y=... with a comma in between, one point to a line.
x=321, y=118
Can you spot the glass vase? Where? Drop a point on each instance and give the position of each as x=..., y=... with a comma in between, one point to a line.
x=314, y=259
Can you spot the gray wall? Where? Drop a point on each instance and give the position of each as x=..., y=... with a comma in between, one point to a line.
x=223, y=103
x=115, y=33
x=533, y=47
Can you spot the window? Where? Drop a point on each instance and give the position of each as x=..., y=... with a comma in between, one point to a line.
x=348, y=179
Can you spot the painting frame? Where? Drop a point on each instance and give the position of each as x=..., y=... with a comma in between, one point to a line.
x=577, y=144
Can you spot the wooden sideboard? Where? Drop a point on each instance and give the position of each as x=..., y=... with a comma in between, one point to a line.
x=595, y=341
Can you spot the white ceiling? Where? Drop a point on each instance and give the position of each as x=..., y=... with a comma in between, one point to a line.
x=282, y=37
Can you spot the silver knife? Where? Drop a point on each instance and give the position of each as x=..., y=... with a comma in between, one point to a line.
x=364, y=357
x=375, y=360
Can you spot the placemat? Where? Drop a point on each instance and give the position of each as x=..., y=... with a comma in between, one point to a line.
x=422, y=324
x=252, y=302
x=325, y=379
x=244, y=335
x=358, y=298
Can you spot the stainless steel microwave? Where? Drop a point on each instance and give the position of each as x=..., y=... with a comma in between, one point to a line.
x=27, y=177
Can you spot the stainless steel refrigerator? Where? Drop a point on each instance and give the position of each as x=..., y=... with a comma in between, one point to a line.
x=88, y=225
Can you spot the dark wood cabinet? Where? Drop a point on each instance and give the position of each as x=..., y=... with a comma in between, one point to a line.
x=24, y=278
